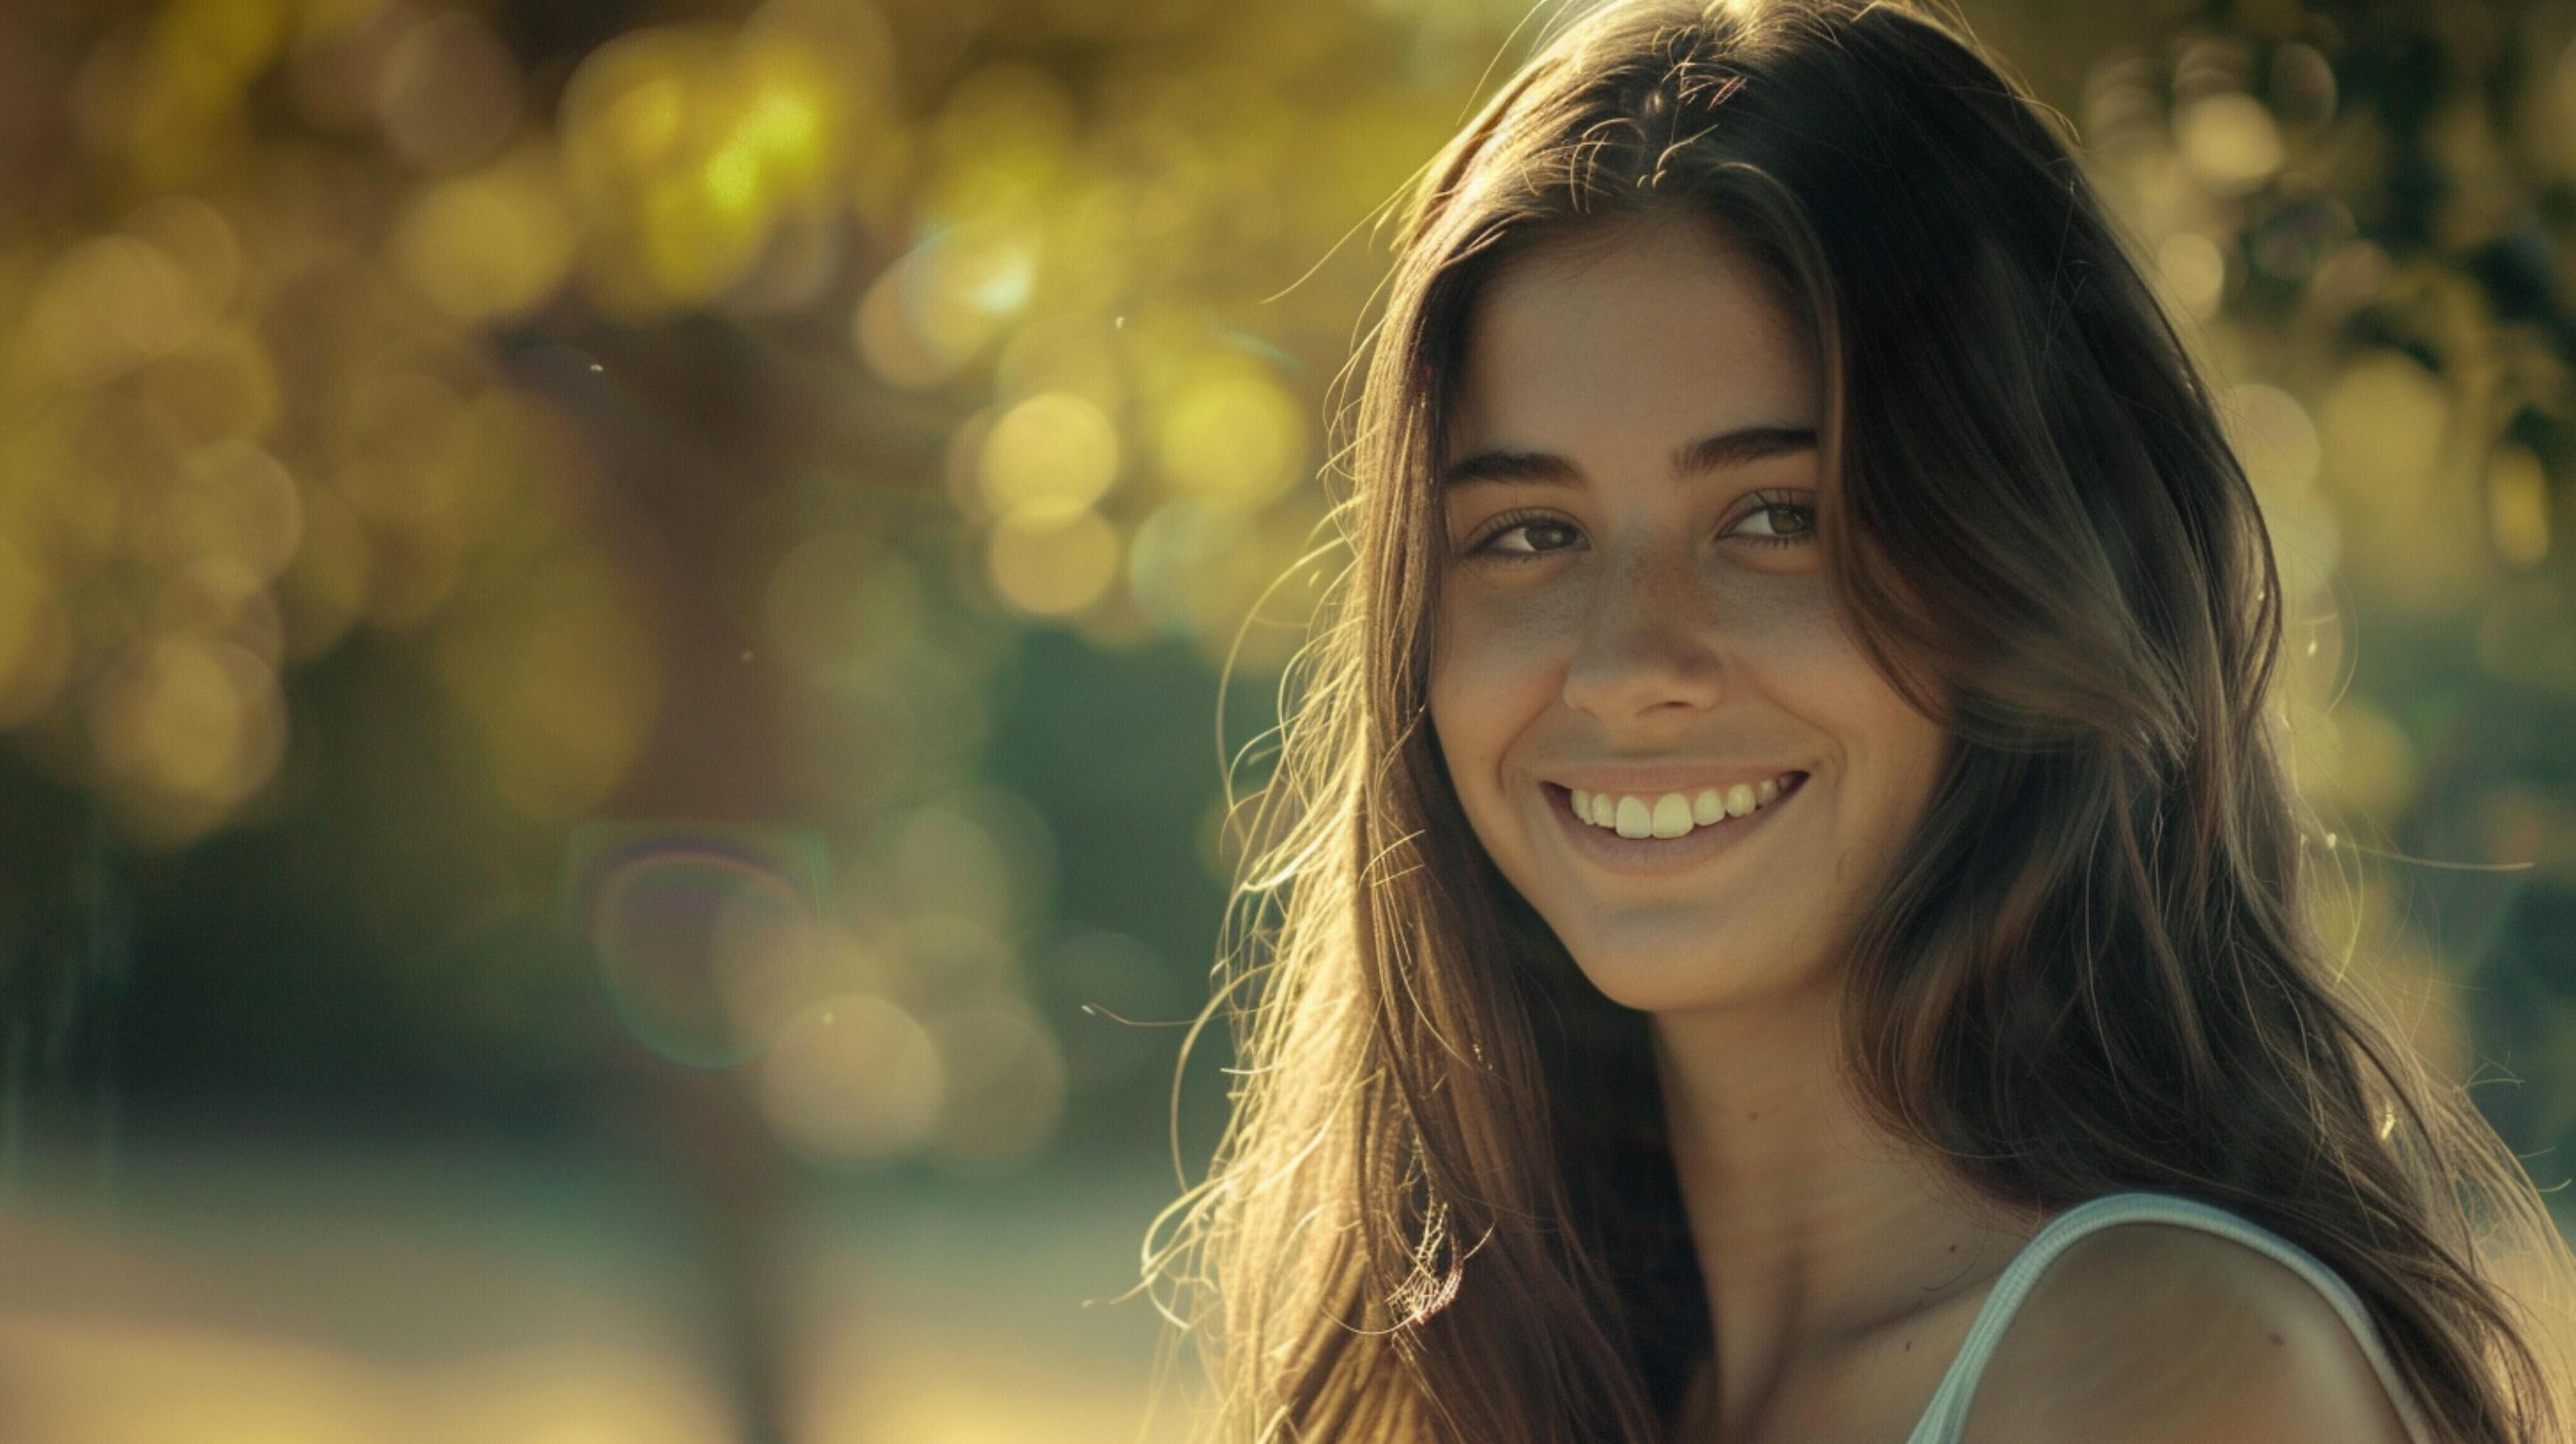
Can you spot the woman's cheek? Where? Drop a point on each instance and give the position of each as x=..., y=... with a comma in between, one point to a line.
x=1485, y=623
x=1790, y=618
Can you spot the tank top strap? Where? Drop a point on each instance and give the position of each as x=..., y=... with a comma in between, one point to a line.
x=1947, y=1416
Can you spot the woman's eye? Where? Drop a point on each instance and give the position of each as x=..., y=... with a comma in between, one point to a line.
x=1521, y=538
x=1783, y=523
x=1534, y=537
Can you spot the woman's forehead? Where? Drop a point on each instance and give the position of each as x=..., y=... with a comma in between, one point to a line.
x=1660, y=326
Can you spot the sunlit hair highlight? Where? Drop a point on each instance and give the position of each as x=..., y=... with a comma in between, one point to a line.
x=1443, y=1209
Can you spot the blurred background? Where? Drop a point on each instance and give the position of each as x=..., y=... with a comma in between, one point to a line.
x=622, y=627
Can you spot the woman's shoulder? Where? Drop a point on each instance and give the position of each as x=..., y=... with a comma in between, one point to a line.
x=2144, y=1326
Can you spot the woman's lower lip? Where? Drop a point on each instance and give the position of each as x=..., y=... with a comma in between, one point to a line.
x=1653, y=856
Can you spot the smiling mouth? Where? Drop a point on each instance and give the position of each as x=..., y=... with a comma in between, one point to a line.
x=1647, y=858
x=1671, y=816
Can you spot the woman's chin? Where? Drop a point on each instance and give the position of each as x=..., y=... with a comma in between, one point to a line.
x=1661, y=981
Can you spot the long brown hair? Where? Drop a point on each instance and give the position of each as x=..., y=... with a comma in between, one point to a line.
x=1443, y=1208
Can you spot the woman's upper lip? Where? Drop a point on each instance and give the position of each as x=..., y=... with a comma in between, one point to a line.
x=1664, y=777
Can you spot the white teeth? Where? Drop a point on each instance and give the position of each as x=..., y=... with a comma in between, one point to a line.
x=1634, y=820
x=1673, y=814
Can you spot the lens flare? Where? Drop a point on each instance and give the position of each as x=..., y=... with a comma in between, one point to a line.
x=687, y=923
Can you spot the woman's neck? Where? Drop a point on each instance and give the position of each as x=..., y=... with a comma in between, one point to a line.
x=1816, y=1229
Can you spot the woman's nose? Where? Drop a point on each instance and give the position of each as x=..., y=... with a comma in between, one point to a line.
x=1649, y=640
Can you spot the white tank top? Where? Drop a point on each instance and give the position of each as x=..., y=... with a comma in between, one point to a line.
x=1948, y=1414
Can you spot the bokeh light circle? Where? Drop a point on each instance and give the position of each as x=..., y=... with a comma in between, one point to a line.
x=1053, y=567
x=853, y=1081
x=673, y=930
x=1005, y=1088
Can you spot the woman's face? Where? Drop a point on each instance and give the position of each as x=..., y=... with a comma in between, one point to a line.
x=1633, y=605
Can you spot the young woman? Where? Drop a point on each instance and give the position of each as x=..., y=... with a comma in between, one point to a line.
x=1782, y=914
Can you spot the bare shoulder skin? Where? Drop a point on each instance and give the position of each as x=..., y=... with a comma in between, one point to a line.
x=2151, y=1333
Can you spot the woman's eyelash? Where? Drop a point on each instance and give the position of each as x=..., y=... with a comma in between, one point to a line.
x=1508, y=523
x=1513, y=521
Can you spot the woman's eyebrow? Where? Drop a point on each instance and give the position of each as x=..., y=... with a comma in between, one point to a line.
x=1709, y=453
